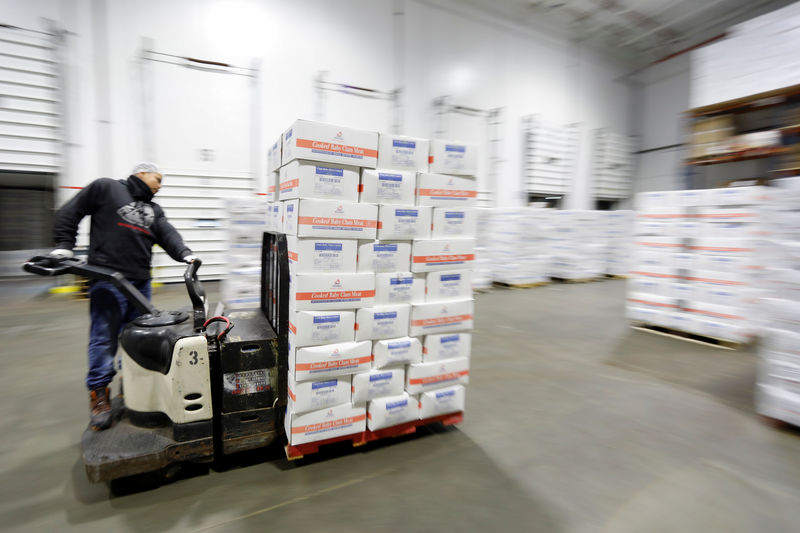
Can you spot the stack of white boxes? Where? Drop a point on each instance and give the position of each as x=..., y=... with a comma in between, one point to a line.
x=484, y=265
x=778, y=389
x=245, y=228
x=519, y=245
x=380, y=287
x=618, y=238
x=445, y=260
x=576, y=244
x=696, y=267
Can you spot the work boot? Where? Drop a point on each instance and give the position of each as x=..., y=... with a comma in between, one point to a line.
x=100, y=409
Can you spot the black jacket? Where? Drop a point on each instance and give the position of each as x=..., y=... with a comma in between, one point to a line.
x=125, y=225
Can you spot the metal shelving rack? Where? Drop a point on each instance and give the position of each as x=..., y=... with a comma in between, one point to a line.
x=781, y=107
x=549, y=151
x=612, y=165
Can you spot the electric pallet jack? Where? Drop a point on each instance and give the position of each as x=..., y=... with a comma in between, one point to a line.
x=189, y=395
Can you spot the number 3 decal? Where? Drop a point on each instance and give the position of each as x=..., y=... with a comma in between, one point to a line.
x=193, y=355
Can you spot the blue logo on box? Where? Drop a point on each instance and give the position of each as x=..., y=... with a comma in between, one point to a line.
x=395, y=405
x=455, y=148
x=449, y=338
x=450, y=277
x=389, y=177
x=445, y=394
x=324, y=384
x=401, y=281
x=325, y=319
x=380, y=377
x=397, y=143
x=384, y=248
x=406, y=212
x=384, y=316
x=329, y=171
x=328, y=246
x=396, y=345
x=453, y=214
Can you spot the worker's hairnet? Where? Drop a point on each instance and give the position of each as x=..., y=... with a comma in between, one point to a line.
x=146, y=166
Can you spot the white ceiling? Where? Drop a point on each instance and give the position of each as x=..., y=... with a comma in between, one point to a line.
x=639, y=31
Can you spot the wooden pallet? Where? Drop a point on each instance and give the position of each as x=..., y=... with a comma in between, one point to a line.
x=519, y=285
x=715, y=342
x=575, y=280
x=297, y=451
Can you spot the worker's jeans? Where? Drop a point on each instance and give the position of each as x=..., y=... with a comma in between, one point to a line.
x=110, y=311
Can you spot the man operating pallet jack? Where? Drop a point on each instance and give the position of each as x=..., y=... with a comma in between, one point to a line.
x=125, y=225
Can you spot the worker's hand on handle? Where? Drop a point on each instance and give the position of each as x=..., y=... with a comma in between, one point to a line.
x=189, y=259
x=61, y=253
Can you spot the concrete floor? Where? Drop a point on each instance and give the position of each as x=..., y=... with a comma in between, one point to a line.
x=574, y=423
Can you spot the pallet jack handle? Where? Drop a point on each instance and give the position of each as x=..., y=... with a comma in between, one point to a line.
x=44, y=265
x=196, y=294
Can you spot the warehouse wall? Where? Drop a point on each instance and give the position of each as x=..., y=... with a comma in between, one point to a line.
x=435, y=48
x=664, y=96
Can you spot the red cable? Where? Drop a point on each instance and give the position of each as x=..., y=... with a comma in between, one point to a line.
x=216, y=319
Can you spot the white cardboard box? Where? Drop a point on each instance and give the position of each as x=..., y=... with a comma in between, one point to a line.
x=453, y=157
x=376, y=256
x=446, y=346
x=407, y=222
x=385, y=322
x=377, y=383
x=418, y=289
x=323, y=292
x=449, y=222
x=272, y=186
x=276, y=217
x=288, y=214
x=387, y=187
x=316, y=141
x=308, y=255
x=330, y=360
x=442, y=254
x=312, y=179
x=310, y=328
x=394, y=288
x=329, y=218
x=438, y=190
x=308, y=396
x=441, y=401
x=328, y=423
x=241, y=292
x=444, y=317
x=274, y=156
x=447, y=285
x=401, y=351
x=391, y=411
x=421, y=377
x=403, y=153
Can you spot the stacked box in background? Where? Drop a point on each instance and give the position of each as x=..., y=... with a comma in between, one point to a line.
x=241, y=285
x=529, y=245
x=484, y=265
x=697, y=267
x=618, y=229
x=576, y=244
x=520, y=245
x=376, y=271
x=778, y=386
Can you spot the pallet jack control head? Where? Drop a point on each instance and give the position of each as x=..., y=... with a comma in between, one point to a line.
x=151, y=317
